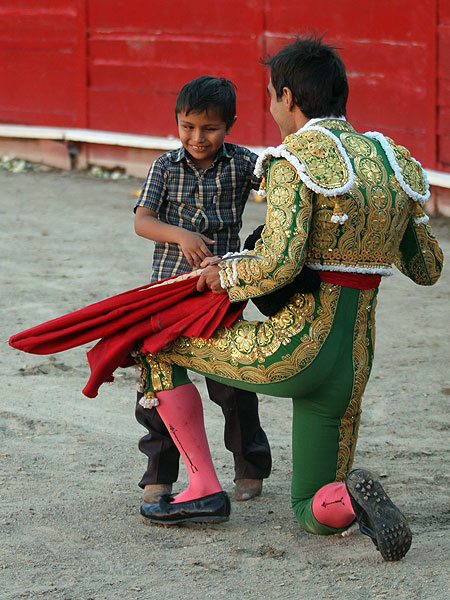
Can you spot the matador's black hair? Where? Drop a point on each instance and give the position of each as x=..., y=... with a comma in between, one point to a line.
x=315, y=74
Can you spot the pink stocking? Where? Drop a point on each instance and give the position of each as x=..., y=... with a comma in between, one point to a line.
x=182, y=412
x=332, y=506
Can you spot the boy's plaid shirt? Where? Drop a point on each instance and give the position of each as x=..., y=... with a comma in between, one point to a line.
x=210, y=202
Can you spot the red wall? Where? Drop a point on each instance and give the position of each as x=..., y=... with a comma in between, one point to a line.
x=443, y=100
x=389, y=52
x=43, y=62
x=138, y=60
x=118, y=66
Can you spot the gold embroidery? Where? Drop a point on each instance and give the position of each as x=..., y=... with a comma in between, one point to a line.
x=377, y=207
x=336, y=124
x=378, y=211
x=370, y=171
x=254, y=351
x=411, y=169
x=320, y=156
x=363, y=345
x=282, y=243
x=427, y=265
x=380, y=197
x=356, y=145
x=157, y=369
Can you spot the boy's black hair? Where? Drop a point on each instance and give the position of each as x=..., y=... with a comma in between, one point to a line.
x=208, y=93
x=315, y=74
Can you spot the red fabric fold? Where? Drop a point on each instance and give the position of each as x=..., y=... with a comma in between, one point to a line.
x=359, y=281
x=101, y=318
x=154, y=314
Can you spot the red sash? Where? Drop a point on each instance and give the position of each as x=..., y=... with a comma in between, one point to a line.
x=359, y=281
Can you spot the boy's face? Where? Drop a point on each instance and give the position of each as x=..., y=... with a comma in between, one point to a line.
x=202, y=135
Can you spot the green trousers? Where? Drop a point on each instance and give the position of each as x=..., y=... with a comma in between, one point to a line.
x=318, y=351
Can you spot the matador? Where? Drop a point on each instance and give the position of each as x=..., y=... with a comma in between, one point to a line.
x=346, y=205
x=350, y=206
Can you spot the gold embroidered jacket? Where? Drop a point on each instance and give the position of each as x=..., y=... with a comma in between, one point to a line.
x=338, y=200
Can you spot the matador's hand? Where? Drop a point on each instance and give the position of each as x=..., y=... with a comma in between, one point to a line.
x=210, y=260
x=209, y=279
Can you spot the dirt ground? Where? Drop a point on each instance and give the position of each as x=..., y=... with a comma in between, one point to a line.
x=70, y=465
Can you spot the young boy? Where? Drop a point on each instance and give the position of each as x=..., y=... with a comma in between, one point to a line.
x=191, y=205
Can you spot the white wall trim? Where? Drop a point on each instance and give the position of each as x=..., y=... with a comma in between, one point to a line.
x=93, y=136
x=438, y=178
x=148, y=142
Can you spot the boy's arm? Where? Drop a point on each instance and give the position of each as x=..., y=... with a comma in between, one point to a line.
x=192, y=244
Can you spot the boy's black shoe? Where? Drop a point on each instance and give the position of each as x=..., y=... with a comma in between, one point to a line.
x=214, y=508
x=377, y=516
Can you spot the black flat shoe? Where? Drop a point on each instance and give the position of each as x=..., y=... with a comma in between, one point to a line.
x=377, y=516
x=214, y=508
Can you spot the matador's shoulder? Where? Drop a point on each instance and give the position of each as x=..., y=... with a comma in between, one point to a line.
x=408, y=171
x=318, y=157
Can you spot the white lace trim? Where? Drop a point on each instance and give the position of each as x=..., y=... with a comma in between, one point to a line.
x=385, y=271
x=318, y=119
x=237, y=254
x=422, y=198
x=282, y=152
x=230, y=272
x=223, y=283
x=422, y=220
x=278, y=152
x=228, y=268
x=148, y=402
x=351, y=175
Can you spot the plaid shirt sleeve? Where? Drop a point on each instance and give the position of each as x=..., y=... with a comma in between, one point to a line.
x=250, y=159
x=154, y=189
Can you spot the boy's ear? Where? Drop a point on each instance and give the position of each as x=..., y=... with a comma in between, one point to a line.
x=229, y=128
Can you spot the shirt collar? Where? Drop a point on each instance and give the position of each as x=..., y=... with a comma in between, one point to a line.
x=318, y=119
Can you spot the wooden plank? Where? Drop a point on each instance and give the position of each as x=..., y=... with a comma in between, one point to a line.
x=41, y=73
x=444, y=12
x=389, y=20
x=232, y=18
x=137, y=64
x=390, y=56
x=109, y=65
x=443, y=99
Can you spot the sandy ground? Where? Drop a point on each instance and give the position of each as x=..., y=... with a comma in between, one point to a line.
x=70, y=465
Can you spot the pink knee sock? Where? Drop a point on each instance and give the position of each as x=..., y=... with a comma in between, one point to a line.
x=182, y=412
x=332, y=506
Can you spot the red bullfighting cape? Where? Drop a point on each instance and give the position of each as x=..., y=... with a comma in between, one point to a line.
x=156, y=313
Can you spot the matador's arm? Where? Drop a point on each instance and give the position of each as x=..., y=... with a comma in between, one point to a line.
x=420, y=257
x=282, y=246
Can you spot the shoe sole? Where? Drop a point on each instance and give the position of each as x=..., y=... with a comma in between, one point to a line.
x=377, y=515
x=209, y=520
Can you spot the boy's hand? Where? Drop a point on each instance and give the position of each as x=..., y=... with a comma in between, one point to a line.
x=209, y=279
x=191, y=243
x=193, y=246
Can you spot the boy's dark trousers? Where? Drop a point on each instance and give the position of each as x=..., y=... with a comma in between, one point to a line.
x=243, y=435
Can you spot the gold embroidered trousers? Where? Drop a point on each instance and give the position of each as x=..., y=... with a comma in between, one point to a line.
x=317, y=350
